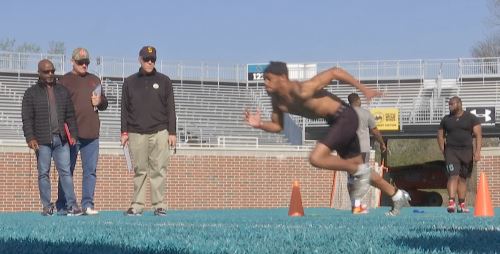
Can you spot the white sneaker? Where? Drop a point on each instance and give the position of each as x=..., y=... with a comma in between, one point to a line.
x=90, y=211
x=403, y=201
x=360, y=182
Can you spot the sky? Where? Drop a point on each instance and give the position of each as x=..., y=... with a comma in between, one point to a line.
x=257, y=31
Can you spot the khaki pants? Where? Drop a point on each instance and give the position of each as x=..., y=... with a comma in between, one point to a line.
x=150, y=156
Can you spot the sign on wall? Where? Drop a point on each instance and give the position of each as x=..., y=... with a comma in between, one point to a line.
x=255, y=72
x=387, y=118
x=485, y=115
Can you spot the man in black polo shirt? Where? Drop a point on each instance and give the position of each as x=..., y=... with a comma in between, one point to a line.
x=148, y=125
x=455, y=142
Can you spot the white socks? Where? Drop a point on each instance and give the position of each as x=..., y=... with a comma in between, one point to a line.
x=398, y=195
x=357, y=203
x=362, y=169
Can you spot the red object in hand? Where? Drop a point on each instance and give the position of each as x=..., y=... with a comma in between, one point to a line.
x=68, y=134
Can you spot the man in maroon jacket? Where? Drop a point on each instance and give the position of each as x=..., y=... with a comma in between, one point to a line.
x=88, y=99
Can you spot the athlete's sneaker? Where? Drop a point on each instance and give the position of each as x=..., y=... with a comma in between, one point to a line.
x=360, y=182
x=462, y=208
x=362, y=209
x=90, y=211
x=132, y=212
x=404, y=201
x=451, y=206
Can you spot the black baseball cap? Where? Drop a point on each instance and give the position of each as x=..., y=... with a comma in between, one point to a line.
x=148, y=52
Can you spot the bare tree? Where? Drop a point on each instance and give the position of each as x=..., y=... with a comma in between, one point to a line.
x=56, y=48
x=18, y=56
x=24, y=58
x=7, y=44
x=490, y=47
x=495, y=11
x=27, y=47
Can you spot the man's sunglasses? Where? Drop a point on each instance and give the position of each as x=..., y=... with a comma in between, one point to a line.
x=82, y=62
x=49, y=71
x=149, y=59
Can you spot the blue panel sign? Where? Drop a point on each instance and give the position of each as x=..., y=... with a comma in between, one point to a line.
x=256, y=72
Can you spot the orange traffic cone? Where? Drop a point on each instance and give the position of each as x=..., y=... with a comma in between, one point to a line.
x=296, y=208
x=483, y=206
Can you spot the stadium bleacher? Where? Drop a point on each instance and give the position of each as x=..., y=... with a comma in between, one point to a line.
x=210, y=99
x=204, y=112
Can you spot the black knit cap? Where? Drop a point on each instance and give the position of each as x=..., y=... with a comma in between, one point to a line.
x=278, y=68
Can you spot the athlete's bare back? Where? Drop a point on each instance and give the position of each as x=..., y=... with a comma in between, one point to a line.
x=320, y=105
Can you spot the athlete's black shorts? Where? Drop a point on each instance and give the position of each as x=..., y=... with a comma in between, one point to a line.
x=341, y=135
x=459, y=161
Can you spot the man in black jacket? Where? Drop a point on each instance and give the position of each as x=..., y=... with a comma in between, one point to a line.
x=46, y=107
x=148, y=126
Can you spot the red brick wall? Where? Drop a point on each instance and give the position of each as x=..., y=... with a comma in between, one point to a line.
x=198, y=179
x=195, y=180
x=490, y=165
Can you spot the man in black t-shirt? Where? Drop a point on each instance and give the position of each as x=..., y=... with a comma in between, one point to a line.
x=456, y=143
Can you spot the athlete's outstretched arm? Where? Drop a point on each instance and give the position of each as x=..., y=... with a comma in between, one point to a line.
x=320, y=81
x=275, y=125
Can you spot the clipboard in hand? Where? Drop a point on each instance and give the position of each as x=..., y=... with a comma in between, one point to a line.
x=98, y=92
x=126, y=152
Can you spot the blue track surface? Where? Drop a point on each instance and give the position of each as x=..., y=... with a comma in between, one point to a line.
x=322, y=230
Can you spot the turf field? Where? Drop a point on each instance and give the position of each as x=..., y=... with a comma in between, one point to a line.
x=322, y=230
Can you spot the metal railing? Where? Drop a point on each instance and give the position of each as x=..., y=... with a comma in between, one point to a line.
x=226, y=141
x=15, y=62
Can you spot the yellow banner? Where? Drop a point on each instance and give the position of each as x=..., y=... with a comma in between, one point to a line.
x=387, y=118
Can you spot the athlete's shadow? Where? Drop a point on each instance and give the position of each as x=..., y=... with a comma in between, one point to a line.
x=20, y=246
x=449, y=239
